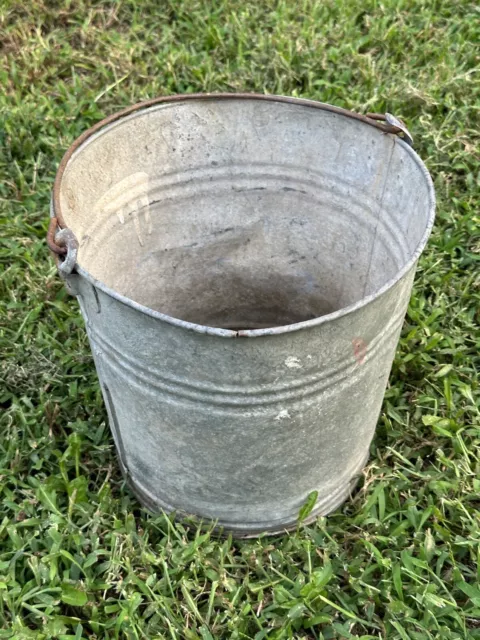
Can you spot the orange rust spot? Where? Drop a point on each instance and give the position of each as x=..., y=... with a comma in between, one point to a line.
x=359, y=349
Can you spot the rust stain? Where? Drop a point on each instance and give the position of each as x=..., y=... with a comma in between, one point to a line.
x=359, y=349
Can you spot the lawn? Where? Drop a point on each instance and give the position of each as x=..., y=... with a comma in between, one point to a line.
x=78, y=557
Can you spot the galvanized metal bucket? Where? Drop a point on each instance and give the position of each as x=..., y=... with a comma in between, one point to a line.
x=244, y=266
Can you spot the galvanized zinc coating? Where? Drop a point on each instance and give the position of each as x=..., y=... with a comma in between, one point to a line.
x=244, y=267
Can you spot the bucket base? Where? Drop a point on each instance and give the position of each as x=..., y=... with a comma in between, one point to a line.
x=252, y=530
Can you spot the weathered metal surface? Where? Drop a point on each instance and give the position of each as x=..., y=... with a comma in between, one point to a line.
x=200, y=220
x=384, y=122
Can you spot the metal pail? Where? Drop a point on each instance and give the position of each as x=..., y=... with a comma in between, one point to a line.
x=244, y=266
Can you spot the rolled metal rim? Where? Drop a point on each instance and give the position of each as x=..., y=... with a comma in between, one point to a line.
x=247, y=333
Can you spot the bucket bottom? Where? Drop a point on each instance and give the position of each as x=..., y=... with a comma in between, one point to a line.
x=323, y=508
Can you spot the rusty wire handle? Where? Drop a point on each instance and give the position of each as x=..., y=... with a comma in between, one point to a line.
x=60, y=245
x=64, y=245
x=53, y=227
x=398, y=126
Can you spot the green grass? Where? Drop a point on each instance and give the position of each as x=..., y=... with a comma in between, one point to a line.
x=78, y=557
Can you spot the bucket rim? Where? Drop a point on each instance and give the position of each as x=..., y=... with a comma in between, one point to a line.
x=55, y=212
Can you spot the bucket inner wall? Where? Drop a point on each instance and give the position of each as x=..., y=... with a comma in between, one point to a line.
x=244, y=214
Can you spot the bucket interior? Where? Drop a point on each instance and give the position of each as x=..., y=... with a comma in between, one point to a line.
x=243, y=213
